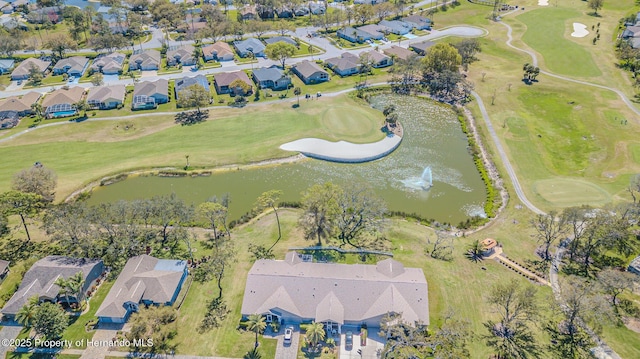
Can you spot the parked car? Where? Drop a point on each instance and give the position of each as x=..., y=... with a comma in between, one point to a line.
x=348, y=340
x=288, y=334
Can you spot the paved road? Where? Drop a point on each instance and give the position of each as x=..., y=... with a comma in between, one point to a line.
x=8, y=332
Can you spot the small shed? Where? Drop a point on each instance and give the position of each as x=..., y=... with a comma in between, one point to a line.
x=488, y=246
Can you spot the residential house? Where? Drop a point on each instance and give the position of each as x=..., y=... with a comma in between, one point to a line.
x=106, y=97
x=399, y=52
x=248, y=12
x=181, y=55
x=219, y=51
x=147, y=60
x=378, y=59
x=223, y=82
x=147, y=94
x=21, y=72
x=20, y=104
x=12, y=22
x=4, y=268
x=301, y=10
x=284, y=13
x=109, y=64
x=62, y=102
x=634, y=266
x=361, y=34
x=317, y=7
x=286, y=39
x=8, y=119
x=143, y=280
x=420, y=48
x=6, y=65
x=249, y=46
x=341, y=296
x=632, y=34
x=310, y=73
x=5, y=7
x=46, y=14
x=396, y=27
x=368, y=2
x=345, y=65
x=192, y=24
x=271, y=77
x=39, y=281
x=418, y=22
x=185, y=82
x=73, y=66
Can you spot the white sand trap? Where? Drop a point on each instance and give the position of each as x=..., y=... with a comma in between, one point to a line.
x=343, y=151
x=543, y=2
x=579, y=30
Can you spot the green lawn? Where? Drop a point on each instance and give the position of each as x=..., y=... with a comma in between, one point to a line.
x=76, y=330
x=12, y=355
x=230, y=136
x=548, y=32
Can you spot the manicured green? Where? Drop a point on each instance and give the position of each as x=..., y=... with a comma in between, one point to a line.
x=80, y=152
x=547, y=32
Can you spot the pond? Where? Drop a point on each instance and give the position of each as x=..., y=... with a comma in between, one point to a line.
x=433, y=138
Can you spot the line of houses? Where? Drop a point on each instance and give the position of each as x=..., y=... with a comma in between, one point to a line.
x=631, y=32
x=381, y=29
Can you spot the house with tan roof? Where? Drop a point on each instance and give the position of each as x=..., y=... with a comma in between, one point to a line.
x=106, y=97
x=20, y=104
x=181, y=55
x=378, y=59
x=421, y=48
x=345, y=65
x=224, y=80
x=147, y=94
x=144, y=280
x=40, y=280
x=399, y=52
x=109, y=64
x=62, y=102
x=147, y=60
x=310, y=73
x=219, y=51
x=21, y=72
x=338, y=295
x=72, y=66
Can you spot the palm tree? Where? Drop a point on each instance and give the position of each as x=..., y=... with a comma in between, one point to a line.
x=257, y=324
x=64, y=288
x=26, y=314
x=75, y=285
x=253, y=354
x=475, y=250
x=315, y=333
x=297, y=91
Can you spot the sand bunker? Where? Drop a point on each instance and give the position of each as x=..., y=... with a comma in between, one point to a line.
x=343, y=151
x=543, y=2
x=579, y=30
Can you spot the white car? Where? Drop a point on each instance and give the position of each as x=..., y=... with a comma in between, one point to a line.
x=288, y=333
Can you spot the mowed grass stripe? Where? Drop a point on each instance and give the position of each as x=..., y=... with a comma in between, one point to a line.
x=545, y=33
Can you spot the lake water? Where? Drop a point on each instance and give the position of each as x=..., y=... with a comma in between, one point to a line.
x=432, y=137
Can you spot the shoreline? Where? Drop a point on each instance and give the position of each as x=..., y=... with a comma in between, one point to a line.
x=111, y=179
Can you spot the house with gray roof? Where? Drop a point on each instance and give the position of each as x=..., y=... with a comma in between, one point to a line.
x=358, y=34
x=418, y=22
x=21, y=72
x=345, y=65
x=185, y=82
x=106, y=97
x=421, y=48
x=109, y=64
x=72, y=66
x=378, y=59
x=286, y=39
x=40, y=280
x=634, y=266
x=310, y=73
x=271, y=77
x=147, y=60
x=396, y=26
x=6, y=65
x=338, y=295
x=181, y=55
x=148, y=94
x=250, y=45
x=224, y=80
x=376, y=31
x=143, y=280
x=8, y=119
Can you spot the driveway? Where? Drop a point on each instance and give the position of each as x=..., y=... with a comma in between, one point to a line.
x=8, y=331
x=289, y=351
x=375, y=344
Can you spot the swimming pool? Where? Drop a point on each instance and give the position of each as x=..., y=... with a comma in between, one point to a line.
x=410, y=36
x=63, y=113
